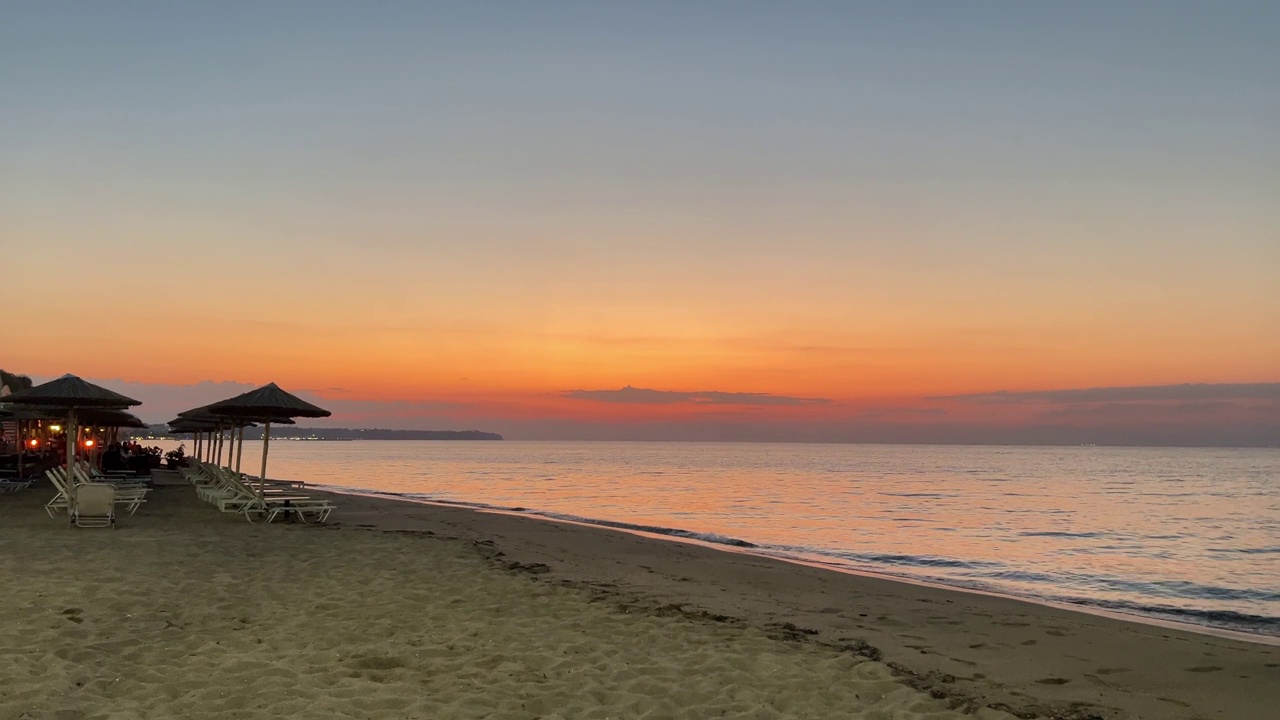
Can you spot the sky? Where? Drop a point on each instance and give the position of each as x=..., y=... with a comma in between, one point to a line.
x=832, y=221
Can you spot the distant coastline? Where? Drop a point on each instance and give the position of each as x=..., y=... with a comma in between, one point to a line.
x=285, y=432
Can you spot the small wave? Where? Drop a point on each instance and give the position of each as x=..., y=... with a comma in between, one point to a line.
x=1061, y=534
x=1181, y=589
x=1230, y=619
x=655, y=529
x=921, y=561
x=919, y=495
x=1249, y=551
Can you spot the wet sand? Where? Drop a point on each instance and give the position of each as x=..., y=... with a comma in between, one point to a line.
x=401, y=610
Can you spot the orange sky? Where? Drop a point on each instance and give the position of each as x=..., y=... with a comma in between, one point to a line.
x=600, y=204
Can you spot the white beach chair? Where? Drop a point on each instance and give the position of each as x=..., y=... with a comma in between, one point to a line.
x=94, y=505
x=62, y=500
x=229, y=491
x=10, y=486
x=299, y=506
x=86, y=473
x=276, y=501
x=130, y=495
x=232, y=492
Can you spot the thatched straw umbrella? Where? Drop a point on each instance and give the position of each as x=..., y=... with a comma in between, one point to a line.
x=267, y=404
x=70, y=393
x=202, y=420
x=218, y=422
x=108, y=417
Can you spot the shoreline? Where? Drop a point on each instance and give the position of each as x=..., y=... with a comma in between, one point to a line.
x=738, y=545
x=973, y=648
x=400, y=609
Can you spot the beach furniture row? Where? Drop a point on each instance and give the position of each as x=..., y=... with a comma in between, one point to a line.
x=232, y=492
x=91, y=499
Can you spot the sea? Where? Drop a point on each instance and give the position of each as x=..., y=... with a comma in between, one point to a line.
x=1187, y=535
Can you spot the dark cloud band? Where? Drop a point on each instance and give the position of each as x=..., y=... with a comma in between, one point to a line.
x=645, y=396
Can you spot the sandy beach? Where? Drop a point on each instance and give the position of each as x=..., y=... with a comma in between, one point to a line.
x=402, y=610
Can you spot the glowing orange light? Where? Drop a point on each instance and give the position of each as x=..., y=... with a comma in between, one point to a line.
x=88, y=443
x=34, y=442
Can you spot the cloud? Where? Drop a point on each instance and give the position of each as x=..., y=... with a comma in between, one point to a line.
x=1145, y=393
x=1146, y=411
x=644, y=396
x=882, y=412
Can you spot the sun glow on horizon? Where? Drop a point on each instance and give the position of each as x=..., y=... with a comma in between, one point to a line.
x=803, y=205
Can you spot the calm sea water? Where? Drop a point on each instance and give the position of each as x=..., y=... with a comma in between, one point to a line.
x=1182, y=534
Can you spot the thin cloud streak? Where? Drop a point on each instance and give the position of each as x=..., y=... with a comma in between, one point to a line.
x=1184, y=392
x=646, y=396
x=648, y=414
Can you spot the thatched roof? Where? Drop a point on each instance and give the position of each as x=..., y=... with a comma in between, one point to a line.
x=268, y=402
x=69, y=392
x=108, y=418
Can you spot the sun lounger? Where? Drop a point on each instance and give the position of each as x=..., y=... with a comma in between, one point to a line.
x=272, y=502
x=94, y=505
x=87, y=473
x=231, y=492
x=62, y=500
x=8, y=486
x=129, y=495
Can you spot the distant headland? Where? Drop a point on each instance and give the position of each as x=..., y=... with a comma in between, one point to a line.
x=286, y=432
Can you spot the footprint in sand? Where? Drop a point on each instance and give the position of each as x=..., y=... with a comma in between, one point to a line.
x=1204, y=669
x=1053, y=681
x=1028, y=642
x=379, y=662
x=1056, y=633
x=1110, y=671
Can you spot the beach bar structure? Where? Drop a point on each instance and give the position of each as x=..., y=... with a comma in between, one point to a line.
x=69, y=395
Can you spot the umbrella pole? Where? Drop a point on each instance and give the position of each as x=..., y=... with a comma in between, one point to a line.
x=231, y=445
x=262, y=479
x=22, y=448
x=239, y=451
x=72, y=437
